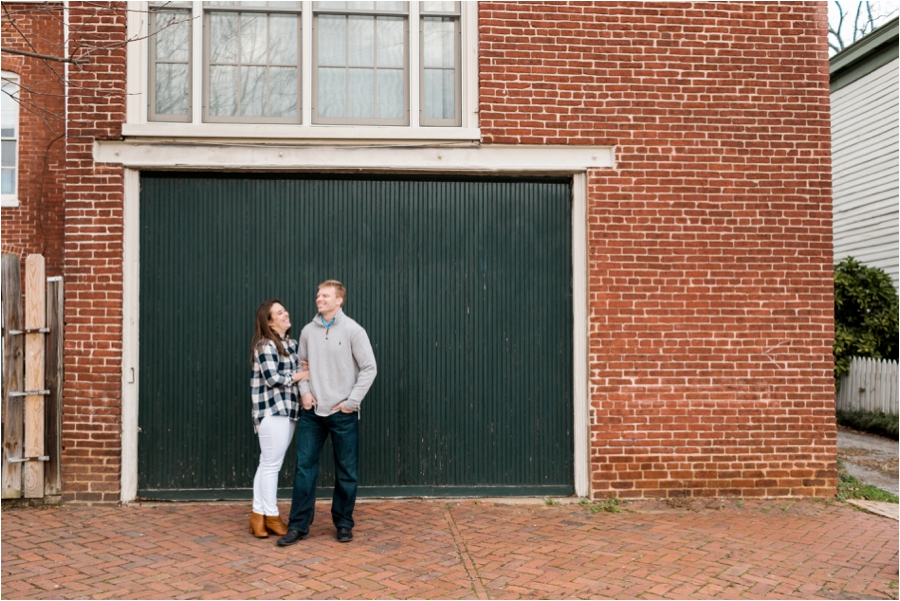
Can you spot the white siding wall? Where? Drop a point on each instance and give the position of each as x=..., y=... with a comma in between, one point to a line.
x=865, y=129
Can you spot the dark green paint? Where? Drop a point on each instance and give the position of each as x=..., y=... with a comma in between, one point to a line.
x=465, y=289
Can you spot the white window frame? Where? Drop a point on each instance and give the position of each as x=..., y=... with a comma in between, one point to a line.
x=137, y=123
x=403, y=120
x=12, y=200
x=419, y=30
x=151, y=92
x=237, y=118
x=152, y=155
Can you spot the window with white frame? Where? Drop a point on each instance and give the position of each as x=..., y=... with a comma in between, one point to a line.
x=440, y=63
x=360, y=58
x=170, y=64
x=9, y=132
x=251, y=67
x=362, y=66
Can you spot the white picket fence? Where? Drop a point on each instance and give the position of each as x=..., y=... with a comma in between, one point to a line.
x=870, y=386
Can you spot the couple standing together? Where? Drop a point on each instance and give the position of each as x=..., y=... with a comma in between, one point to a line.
x=333, y=367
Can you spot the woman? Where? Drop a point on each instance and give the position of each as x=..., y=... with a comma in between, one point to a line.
x=276, y=370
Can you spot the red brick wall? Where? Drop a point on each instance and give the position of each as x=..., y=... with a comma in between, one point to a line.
x=36, y=225
x=710, y=286
x=709, y=244
x=92, y=448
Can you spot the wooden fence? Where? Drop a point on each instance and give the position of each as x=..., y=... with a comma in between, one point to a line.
x=32, y=380
x=871, y=386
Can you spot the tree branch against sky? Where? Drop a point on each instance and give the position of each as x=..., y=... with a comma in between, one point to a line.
x=849, y=22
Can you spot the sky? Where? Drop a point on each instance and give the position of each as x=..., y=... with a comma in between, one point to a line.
x=882, y=10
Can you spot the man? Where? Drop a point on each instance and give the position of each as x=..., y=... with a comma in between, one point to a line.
x=341, y=371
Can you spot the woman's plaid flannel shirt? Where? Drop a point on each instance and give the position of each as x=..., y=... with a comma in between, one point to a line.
x=272, y=384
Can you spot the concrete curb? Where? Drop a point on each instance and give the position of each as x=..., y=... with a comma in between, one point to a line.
x=888, y=510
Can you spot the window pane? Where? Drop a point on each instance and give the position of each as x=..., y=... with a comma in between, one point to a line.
x=10, y=121
x=172, y=36
x=8, y=155
x=254, y=4
x=440, y=42
x=171, y=89
x=380, y=5
x=222, y=91
x=282, y=40
x=332, y=40
x=9, y=181
x=332, y=91
x=440, y=94
x=362, y=93
x=282, y=92
x=253, y=38
x=223, y=37
x=6, y=101
x=390, y=41
x=390, y=94
x=368, y=42
x=441, y=7
x=9, y=125
x=361, y=38
x=253, y=91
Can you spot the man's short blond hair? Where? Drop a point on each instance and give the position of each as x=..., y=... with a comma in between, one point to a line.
x=339, y=290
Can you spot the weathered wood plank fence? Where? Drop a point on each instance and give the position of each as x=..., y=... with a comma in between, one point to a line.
x=870, y=386
x=32, y=380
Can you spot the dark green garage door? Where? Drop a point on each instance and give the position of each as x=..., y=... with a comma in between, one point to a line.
x=465, y=289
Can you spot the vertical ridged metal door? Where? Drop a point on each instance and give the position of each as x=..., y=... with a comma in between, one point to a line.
x=465, y=290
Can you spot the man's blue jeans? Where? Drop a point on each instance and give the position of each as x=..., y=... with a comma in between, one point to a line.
x=312, y=430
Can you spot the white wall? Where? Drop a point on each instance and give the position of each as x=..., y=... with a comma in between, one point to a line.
x=865, y=129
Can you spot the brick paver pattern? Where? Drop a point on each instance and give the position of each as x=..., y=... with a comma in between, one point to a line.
x=457, y=550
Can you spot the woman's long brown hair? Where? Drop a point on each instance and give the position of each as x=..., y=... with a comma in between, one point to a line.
x=262, y=332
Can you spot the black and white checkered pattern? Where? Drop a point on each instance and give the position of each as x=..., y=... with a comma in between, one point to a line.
x=271, y=384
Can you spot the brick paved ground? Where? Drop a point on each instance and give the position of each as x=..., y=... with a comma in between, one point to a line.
x=464, y=549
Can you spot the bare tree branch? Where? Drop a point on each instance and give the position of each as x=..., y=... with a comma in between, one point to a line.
x=47, y=57
x=73, y=51
x=867, y=17
x=835, y=30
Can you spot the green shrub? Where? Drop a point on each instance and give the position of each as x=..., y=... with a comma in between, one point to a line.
x=865, y=315
x=873, y=423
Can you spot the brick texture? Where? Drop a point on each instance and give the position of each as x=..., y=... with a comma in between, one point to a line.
x=710, y=257
x=94, y=232
x=36, y=225
x=656, y=549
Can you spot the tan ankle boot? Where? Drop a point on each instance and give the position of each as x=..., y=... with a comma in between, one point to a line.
x=275, y=525
x=258, y=525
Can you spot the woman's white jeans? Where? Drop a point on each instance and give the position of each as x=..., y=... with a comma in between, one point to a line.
x=275, y=434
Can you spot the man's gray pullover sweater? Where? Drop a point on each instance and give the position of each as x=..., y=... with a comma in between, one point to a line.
x=341, y=363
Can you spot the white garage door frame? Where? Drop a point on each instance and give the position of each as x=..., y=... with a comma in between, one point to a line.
x=569, y=161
